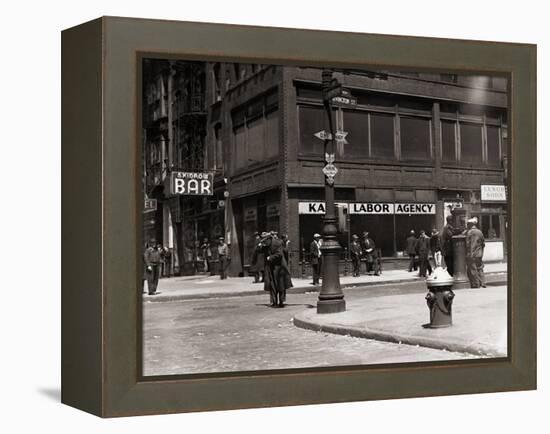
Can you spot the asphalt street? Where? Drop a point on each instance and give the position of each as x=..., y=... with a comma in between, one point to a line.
x=244, y=334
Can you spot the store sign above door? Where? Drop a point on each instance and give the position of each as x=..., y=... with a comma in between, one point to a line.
x=370, y=208
x=192, y=183
x=493, y=193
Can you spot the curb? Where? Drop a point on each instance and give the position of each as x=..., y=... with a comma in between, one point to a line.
x=294, y=290
x=384, y=336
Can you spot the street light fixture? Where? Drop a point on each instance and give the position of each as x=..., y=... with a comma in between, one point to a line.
x=331, y=297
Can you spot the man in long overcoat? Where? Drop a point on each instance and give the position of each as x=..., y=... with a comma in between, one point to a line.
x=257, y=264
x=410, y=249
x=276, y=271
x=423, y=250
x=316, y=258
x=447, y=244
x=475, y=245
x=152, y=259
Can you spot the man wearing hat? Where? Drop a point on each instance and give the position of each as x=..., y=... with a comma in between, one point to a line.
x=223, y=254
x=257, y=264
x=475, y=244
x=277, y=275
x=369, y=253
x=151, y=259
x=411, y=251
x=316, y=258
x=423, y=251
x=355, y=252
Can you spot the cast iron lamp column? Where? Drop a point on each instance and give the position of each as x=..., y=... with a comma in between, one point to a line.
x=331, y=297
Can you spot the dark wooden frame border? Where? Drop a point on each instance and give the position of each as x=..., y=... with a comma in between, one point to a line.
x=101, y=222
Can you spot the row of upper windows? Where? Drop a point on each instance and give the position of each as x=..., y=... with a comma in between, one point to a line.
x=384, y=136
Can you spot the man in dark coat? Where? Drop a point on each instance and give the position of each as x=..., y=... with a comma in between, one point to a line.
x=276, y=270
x=369, y=253
x=355, y=253
x=152, y=259
x=257, y=264
x=224, y=258
x=410, y=249
x=316, y=258
x=286, y=252
x=475, y=245
x=423, y=250
x=447, y=244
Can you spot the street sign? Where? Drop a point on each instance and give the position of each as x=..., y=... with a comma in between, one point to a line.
x=344, y=100
x=323, y=135
x=192, y=183
x=150, y=205
x=330, y=172
x=340, y=137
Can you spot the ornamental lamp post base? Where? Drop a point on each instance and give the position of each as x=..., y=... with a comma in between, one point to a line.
x=331, y=306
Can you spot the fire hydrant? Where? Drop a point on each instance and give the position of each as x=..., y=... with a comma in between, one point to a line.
x=440, y=298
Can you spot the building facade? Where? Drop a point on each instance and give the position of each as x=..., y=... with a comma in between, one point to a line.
x=417, y=147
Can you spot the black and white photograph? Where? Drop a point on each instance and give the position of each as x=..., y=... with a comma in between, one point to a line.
x=317, y=216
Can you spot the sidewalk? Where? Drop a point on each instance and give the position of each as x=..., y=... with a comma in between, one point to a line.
x=199, y=287
x=479, y=321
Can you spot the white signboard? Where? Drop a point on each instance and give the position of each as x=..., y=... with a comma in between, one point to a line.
x=493, y=193
x=415, y=208
x=315, y=207
x=370, y=208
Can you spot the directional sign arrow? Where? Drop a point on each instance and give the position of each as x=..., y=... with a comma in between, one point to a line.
x=340, y=137
x=329, y=158
x=323, y=135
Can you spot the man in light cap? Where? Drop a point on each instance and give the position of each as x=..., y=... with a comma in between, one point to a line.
x=475, y=244
x=316, y=258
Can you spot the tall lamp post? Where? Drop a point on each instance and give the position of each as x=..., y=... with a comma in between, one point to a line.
x=331, y=297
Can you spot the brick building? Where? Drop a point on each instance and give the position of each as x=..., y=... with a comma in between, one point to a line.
x=418, y=146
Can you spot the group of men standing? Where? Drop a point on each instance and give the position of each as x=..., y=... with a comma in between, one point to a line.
x=270, y=265
x=364, y=250
x=440, y=245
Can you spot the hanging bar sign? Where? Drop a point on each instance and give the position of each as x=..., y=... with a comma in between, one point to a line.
x=192, y=183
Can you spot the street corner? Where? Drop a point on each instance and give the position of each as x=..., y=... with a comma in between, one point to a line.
x=479, y=325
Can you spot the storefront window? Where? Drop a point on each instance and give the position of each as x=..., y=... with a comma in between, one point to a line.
x=490, y=226
x=379, y=227
x=448, y=141
x=382, y=136
x=493, y=145
x=415, y=138
x=471, y=143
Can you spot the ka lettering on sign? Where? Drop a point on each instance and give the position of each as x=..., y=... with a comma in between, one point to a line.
x=192, y=184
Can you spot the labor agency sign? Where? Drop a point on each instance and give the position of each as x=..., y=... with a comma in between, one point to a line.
x=370, y=208
x=192, y=183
